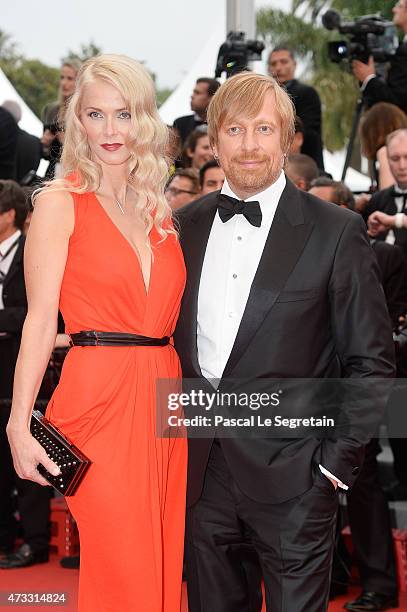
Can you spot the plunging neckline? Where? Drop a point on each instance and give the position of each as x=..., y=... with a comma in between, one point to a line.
x=131, y=247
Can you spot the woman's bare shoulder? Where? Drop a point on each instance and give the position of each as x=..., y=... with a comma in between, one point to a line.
x=54, y=206
x=56, y=198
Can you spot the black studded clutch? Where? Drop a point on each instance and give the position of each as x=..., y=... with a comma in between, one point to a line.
x=71, y=461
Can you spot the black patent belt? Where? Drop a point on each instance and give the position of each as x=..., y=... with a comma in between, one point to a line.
x=98, y=338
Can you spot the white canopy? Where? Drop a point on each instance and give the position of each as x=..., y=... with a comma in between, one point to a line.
x=356, y=181
x=178, y=103
x=29, y=122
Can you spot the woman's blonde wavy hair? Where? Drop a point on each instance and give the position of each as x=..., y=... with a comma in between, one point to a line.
x=148, y=167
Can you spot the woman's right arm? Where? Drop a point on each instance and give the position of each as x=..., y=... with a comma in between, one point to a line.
x=45, y=257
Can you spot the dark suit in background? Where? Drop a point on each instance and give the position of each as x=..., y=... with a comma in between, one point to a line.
x=29, y=154
x=12, y=319
x=8, y=145
x=384, y=201
x=187, y=124
x=315, y=310
x=393, y=273
x=33, y=499
x=308, y=108
x=368, y=511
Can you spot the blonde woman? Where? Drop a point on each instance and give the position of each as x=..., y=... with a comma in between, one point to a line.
x=53, y=115
x=101, y=245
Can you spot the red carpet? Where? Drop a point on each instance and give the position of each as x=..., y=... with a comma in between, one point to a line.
x=51, y=578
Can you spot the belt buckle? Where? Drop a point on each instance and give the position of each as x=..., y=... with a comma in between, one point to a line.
x=95, y=336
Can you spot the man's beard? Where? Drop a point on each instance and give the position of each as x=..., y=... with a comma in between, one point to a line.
x=252, y=179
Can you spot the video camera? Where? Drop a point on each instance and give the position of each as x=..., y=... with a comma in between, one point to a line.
x=236, y=53
x=370, y=35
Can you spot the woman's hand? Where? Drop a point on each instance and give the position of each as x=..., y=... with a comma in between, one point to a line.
x=27, y=454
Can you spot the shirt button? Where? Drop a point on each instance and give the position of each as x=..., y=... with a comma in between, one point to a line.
x=234, y=275
x=230, y=315
x=239, y=238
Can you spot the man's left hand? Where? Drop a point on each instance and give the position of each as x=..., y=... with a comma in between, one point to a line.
x=362, y=70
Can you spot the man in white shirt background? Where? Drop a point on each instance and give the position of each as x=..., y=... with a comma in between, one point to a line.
x=279, y=286
x=393, y=200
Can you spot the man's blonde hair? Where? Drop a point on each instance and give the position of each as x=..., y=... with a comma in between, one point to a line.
x=243, y=94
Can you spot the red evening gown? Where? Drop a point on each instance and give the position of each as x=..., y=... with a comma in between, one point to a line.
x=130, y=506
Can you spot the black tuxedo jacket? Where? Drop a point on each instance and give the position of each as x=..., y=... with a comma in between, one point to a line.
x=316, y=309
x=185, y=125
x=8, y=145
x=394, y=89
x=383, y=200
x=308, y=108
x=29, y=154
x=12, y=319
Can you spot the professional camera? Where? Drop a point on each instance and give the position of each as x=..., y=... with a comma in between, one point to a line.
x=368, y=35
x=235, y=54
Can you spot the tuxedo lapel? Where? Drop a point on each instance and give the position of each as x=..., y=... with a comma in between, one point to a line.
x=194, y=241
x=385, y=202
x=16, y=263
x=286, y=240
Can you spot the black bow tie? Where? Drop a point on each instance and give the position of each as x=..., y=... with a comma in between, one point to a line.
x=396, y=193
x=228, y=207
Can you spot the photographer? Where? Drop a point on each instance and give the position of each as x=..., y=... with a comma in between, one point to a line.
x=205, y=88
x=282, y=66
x=53, y=116
x=394, y=89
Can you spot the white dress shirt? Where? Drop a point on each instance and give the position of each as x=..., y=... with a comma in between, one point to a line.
x=231, y=260
x=399, y=201
x=5, y=262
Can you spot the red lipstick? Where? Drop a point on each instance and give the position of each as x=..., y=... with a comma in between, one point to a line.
x=111, y=147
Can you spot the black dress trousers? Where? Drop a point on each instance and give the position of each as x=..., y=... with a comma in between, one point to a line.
x=293, y=541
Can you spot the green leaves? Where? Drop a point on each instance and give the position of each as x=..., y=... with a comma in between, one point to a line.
x=36, y=82
x=85, y=52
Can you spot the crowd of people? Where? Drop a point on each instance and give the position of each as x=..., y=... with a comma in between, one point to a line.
x=123, y=190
